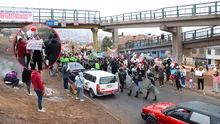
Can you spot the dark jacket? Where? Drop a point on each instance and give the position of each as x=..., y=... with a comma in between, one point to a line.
x=161, y=71
x=26, y=75
x=53, y=51
x=168, y=71
x=122, y=76
x=135, y=79
x=105, y=66
x=177, y=74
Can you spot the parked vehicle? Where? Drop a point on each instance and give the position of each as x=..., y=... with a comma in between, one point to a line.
x=193, y=112
x=100, y=83
x=74, y=70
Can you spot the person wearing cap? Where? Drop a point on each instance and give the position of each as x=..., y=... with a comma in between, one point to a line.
x=72, y=59
x=62, y=60
x=178, y=77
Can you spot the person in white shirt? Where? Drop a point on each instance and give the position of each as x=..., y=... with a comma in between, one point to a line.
x=200, y=74
x=183, y=76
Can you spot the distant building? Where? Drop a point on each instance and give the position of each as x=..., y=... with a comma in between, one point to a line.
x=211, y=55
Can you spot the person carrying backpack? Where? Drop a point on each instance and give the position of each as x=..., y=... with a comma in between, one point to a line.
x=79, y=82
x=65, y=75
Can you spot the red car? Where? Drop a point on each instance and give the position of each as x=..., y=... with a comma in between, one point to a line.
x=194, y=112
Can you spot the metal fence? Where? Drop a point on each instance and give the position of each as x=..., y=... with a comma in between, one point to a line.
x=176, y=11
x=186, y=36
x=82, y=16
x=201, y=33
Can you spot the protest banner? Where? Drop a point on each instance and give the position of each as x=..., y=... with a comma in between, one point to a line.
x=34, y=45
x=8, y=14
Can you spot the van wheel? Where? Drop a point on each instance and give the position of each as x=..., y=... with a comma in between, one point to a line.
x=91, y=93
x=151, y=120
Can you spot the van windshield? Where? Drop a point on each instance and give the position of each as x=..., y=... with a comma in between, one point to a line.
x=107, y=80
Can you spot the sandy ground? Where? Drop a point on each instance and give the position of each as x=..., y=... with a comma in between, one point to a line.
x=16, y=107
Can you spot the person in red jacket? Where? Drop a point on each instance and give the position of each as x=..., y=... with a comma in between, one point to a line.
x=38, y=85
x=21, y=51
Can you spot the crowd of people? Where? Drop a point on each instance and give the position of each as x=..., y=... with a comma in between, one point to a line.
x=30, y=58
x=124, y=67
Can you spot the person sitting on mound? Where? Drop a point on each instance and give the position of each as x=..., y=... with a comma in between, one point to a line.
x=11, y=79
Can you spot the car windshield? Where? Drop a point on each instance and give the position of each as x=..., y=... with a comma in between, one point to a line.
x=75, y=66
x=168, y=109
x=107, y=80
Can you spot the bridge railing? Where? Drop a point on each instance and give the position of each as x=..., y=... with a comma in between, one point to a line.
x=82, y=16
x=147, y=42
x=201, y=33
x=176, y=11
x=186, y=36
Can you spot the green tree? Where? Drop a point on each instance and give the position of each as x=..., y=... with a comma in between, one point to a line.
x=106, y=42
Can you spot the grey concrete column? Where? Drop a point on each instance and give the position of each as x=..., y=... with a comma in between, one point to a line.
x=177, y=46
x=115, y=38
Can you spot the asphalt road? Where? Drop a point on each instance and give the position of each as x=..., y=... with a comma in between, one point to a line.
x=128, y=108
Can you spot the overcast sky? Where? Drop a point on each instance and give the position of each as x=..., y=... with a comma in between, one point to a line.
x=106, y=7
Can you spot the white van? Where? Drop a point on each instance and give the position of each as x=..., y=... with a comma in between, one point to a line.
x=100, y=83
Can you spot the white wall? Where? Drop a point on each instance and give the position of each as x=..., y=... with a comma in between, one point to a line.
x=212, y=56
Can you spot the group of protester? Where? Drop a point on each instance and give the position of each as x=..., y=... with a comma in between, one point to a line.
x=29, y=58
x=124, y=68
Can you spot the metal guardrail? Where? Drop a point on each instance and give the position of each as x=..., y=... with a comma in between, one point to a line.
x=176, y=11
x=82, y=16
x=147, y=42
x=207, y=32
x=201, y=33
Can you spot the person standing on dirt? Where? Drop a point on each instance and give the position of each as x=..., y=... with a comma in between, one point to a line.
x=21, y=51
x=65, y=75
x=38, y=85
x=79, y=81
x=26, y=78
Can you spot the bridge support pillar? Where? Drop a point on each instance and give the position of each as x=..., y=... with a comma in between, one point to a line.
x=115, y=38
x=177, y=46
x=95, y=38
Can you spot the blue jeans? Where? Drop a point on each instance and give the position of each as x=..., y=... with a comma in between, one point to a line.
x=183, y=80
x=140, y=85
x=79, y=93
x=40, y=97
x=65, y=83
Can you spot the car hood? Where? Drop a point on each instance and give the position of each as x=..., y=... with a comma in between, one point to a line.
x=158, y=107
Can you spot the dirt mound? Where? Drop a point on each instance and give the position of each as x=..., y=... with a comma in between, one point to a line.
x=18, y=107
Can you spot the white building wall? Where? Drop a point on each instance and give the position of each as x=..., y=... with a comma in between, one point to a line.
x=212, y=56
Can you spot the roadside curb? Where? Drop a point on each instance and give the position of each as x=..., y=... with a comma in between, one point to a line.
x=94, y=102
x=199, y=91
